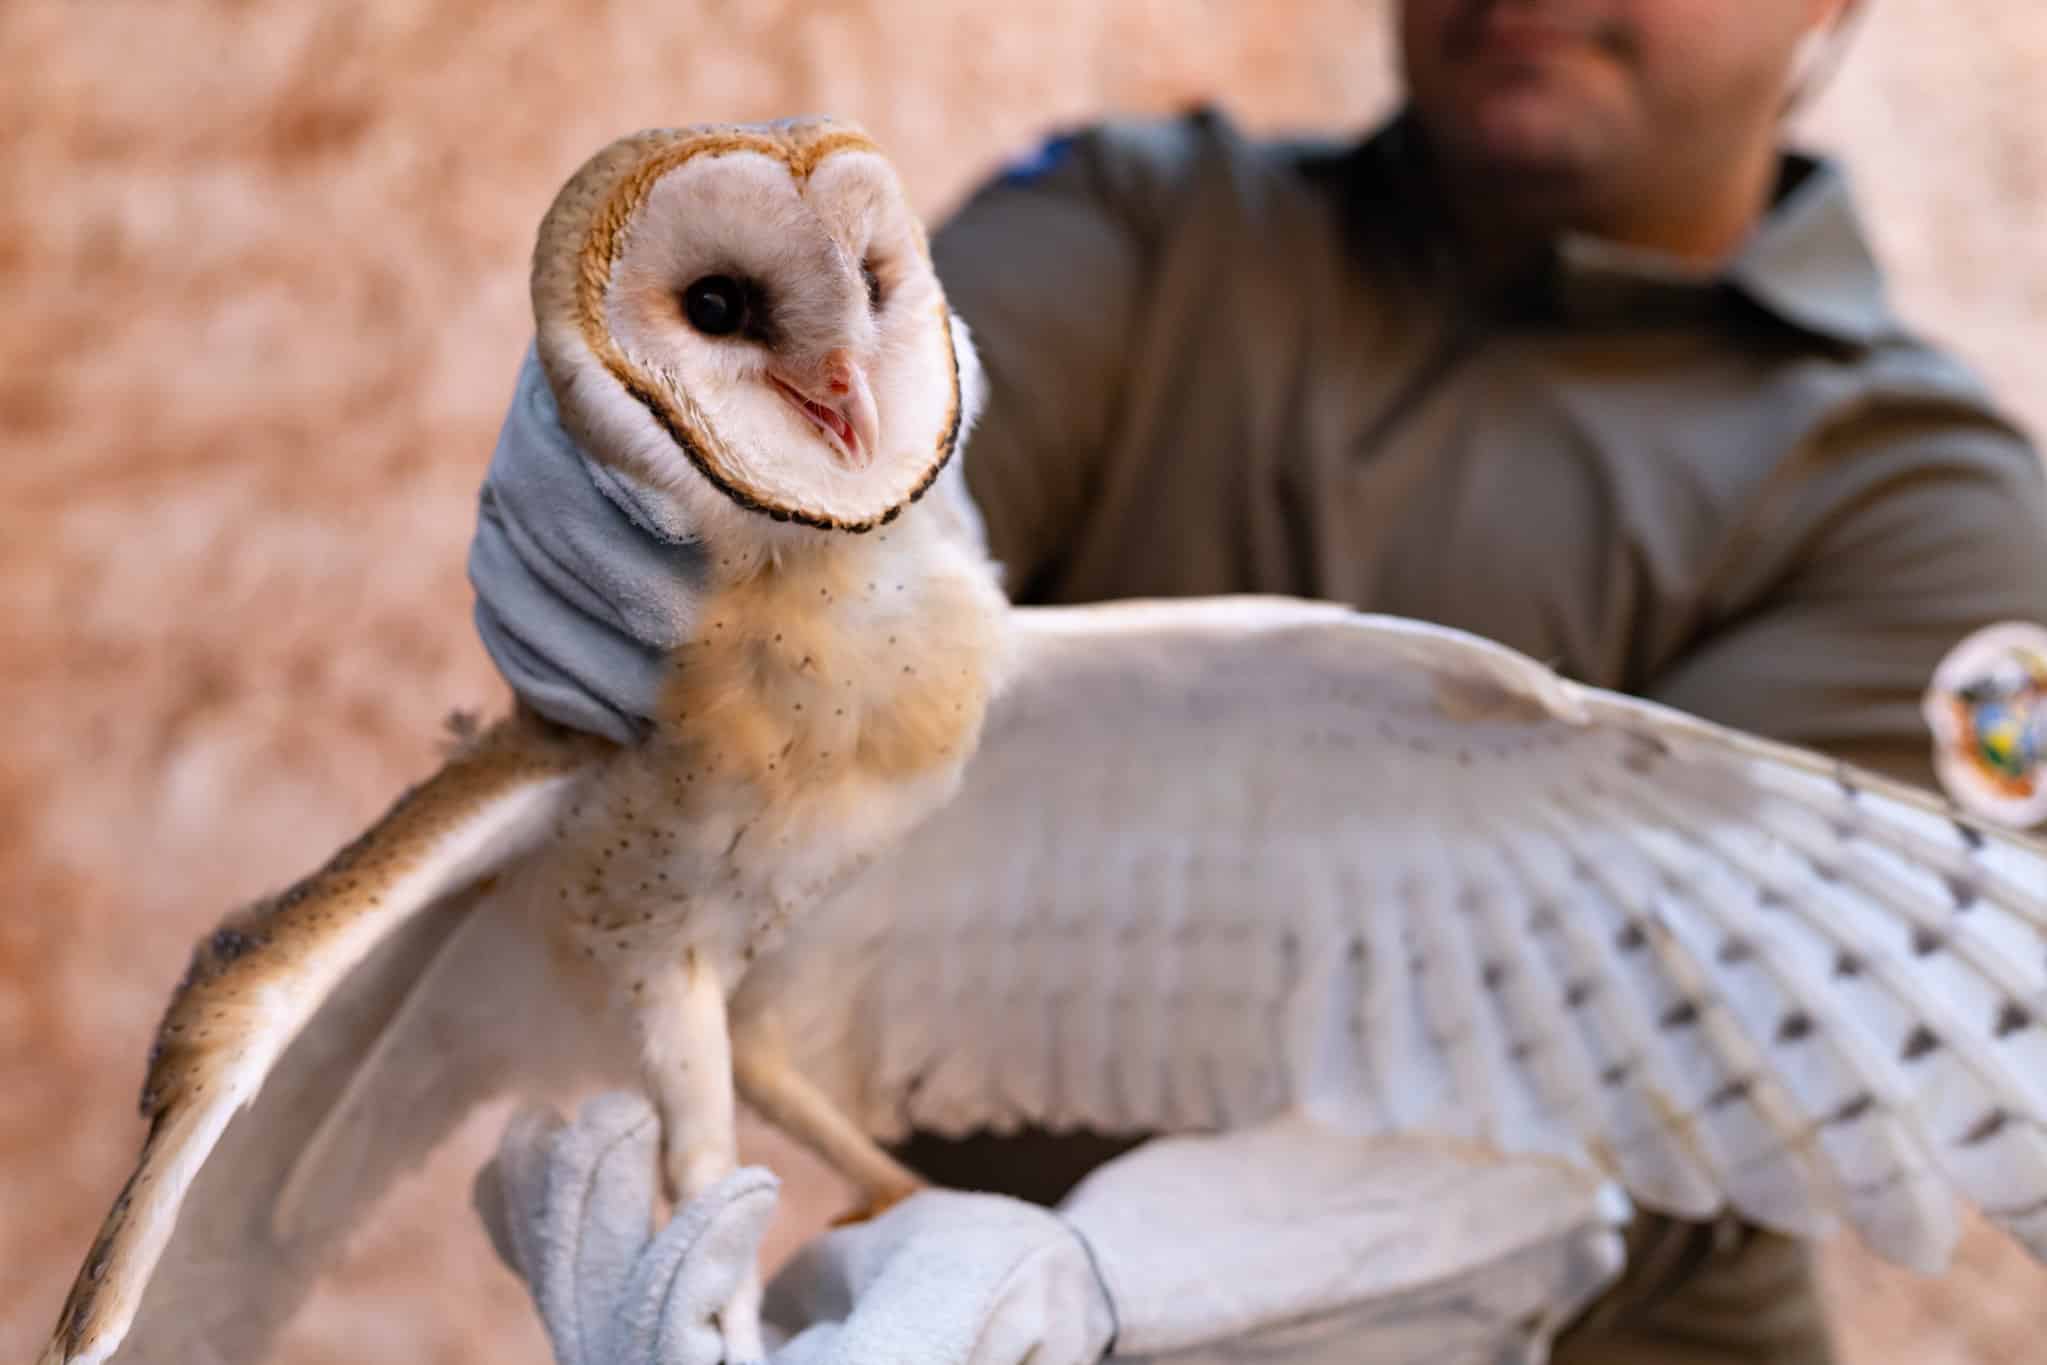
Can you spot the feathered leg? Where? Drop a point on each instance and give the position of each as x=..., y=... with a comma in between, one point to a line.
x=775, y=1089
x=686, y=1058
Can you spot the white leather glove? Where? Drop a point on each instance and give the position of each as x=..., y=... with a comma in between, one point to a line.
x=569, y=1207
x=1284, y=1243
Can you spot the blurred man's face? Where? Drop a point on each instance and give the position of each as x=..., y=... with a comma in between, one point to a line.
x=1599, y=88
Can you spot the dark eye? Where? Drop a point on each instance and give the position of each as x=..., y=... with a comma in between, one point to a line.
x=873, y=285
x=715, y=305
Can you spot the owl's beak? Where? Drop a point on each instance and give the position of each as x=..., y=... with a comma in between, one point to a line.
x=838, y=402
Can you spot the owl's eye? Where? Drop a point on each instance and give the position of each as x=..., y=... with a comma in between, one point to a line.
x=873, y=285
x=715, y=305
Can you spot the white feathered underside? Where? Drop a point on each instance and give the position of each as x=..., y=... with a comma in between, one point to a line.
x=1221, y=859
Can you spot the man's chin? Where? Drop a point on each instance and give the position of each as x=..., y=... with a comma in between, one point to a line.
x=1522, y=139
x=1534, y=130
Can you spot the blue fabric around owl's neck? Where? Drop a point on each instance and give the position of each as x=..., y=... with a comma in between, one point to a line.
x=583, y=586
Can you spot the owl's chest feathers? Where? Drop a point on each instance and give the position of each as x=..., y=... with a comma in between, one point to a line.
x=824, y=707
x=865, y=662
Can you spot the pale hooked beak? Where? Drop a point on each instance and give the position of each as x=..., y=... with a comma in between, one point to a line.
x=838, y=402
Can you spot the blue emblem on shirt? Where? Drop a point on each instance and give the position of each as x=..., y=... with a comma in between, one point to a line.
x=1029, y=167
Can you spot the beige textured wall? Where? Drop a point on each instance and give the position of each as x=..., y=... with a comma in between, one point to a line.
x=261, y=294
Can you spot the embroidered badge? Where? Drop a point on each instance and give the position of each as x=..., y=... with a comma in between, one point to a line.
x=1033, y=164
x=1987, y=707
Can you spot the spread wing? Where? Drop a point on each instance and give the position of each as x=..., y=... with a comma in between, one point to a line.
x=308, y=1057
x=1222, y=858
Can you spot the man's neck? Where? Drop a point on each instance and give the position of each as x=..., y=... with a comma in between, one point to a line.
x=1501, y=227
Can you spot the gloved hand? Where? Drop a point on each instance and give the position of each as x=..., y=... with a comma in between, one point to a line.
x=569, y=1208
x=1284, y=1243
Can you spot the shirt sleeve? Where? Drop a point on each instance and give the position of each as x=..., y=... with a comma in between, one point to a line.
x=1914, y=529
x=1047, y=263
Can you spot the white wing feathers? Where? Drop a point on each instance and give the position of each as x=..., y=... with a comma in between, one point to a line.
x=1218, y=859
x=268, y=1063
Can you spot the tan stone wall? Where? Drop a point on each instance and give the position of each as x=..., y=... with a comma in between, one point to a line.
x=261, y=294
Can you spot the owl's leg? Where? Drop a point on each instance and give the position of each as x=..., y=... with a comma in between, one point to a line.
x=784, y=1097
x=686, y=1058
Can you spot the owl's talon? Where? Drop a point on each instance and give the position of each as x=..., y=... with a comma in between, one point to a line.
x=874, y=1206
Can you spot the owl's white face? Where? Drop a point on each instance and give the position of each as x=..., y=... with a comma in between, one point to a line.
x=764, y=298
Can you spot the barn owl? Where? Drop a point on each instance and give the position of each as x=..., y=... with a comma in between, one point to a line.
x=898, y=854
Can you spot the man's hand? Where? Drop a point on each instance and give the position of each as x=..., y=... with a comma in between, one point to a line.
x=569, y=1208
x=1286, y=1243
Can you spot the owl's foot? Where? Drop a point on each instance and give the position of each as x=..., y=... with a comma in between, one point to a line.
x=875, y=1204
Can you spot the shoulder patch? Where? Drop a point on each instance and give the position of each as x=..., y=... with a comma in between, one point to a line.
x=1987, y=708
x=1034, y=164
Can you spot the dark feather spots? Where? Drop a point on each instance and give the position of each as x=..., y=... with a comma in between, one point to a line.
x=1795, y=1027
x=1683, y=1014
x=1355, y=950
x=1986, y=1128
x=1854, y=1109
x=1494, y=975
x=1617, y=1074
x=1730, y=1093
x=1972, y=838
x=1920, y=1041
x=1825, y=872
x=1578, y=992
x=1735, y=951
x=1469, y=901
x=1964, y=891
x=1631, y=938
x=1926, y=942
x=229, y=944
x=2012, y=1018
x=1770, y=898
x=1523, y=1050
x=1543, y=919
x=1846, y=965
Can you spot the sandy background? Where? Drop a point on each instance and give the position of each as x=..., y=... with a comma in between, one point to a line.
x=262, y=290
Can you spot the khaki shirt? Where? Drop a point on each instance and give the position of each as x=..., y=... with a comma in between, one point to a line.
x=1220, y=364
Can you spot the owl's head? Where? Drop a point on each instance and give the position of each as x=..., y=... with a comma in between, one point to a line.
x=745, y=319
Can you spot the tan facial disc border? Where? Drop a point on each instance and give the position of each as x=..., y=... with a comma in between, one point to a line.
x=802, y=151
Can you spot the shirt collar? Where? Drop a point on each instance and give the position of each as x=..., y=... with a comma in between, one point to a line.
x=1808, y=264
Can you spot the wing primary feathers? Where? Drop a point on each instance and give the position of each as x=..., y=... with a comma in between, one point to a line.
x=1983, y=1109
x=1669, y=1163
x=1836, y=1123
x=256, y=981
x=1458, y=1023
x=1525, y=983
x=1389, y=1012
